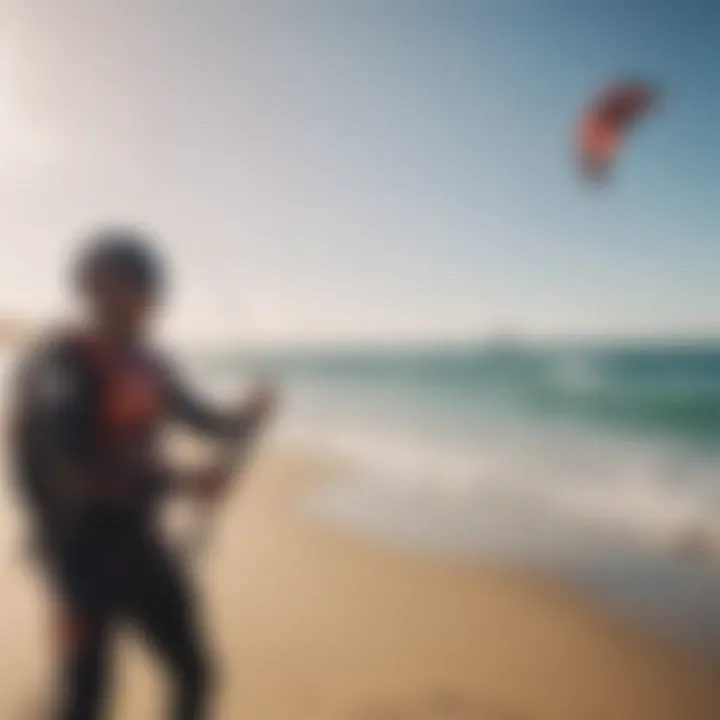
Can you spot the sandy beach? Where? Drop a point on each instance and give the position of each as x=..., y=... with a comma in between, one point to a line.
x=313, y=623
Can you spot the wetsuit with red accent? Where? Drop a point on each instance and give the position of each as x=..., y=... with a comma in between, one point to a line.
x=86, y=448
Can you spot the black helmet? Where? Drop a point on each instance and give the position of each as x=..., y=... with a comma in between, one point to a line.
x=126, y=253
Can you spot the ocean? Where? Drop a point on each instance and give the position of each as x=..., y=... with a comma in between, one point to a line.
x=599, y=461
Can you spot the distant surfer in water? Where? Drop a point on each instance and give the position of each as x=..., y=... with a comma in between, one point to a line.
x=91, y=404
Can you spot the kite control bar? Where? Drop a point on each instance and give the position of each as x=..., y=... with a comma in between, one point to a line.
x=234, y=455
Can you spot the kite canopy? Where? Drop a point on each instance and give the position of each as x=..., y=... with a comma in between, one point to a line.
x=606, y=122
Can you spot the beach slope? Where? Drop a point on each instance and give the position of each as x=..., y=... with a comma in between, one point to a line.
x=315, y=624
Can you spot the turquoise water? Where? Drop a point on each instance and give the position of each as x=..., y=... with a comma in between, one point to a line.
x=670, y=390
x=601, y=462
x=617, y=436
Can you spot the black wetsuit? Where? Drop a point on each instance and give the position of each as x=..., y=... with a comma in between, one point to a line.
x=86, y=448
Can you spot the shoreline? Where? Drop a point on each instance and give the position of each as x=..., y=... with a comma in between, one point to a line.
x=661, y=587
x=313, y=622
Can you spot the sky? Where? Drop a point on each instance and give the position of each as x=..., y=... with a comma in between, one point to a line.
x=340, y=170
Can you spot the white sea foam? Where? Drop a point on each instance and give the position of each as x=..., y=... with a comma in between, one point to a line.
x=455, y=429
x=653, y=493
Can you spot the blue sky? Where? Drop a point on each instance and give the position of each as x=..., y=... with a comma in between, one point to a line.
x=373, y=169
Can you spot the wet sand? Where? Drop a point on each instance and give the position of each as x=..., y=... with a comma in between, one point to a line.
x=316, y=623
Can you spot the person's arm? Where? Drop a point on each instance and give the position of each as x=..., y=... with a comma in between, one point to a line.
x=189, y=409
x=222, y=423
x=236, y=424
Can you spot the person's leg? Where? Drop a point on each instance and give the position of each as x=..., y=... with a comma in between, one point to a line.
x=164, y=611
x=79, y=572
x=83, y=651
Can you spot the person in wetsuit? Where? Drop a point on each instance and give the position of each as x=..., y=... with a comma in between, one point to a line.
x=92, y=402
